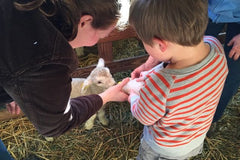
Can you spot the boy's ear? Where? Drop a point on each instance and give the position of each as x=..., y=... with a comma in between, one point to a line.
x=85, y=20
x=161, y=44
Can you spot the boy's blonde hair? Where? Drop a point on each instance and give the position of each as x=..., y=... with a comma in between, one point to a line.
x=179, y=21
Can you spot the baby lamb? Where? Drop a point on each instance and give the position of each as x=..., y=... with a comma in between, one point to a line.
x=98, y=81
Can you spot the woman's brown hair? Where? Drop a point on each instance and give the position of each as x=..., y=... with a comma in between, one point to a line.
x=66, y=14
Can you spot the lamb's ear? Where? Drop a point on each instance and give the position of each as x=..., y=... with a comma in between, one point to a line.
x=100, y=62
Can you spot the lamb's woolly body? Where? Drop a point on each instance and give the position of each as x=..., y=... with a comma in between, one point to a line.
x=77, y=84
x=133, y=85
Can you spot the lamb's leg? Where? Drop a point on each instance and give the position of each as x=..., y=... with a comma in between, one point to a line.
x=90, y=122
x=102, y=118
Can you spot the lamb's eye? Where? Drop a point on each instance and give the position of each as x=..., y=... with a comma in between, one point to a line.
x=99, y=82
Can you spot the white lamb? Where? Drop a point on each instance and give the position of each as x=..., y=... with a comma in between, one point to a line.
x=98, y=81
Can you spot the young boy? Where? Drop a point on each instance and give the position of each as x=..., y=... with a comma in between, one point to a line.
x=177, y=103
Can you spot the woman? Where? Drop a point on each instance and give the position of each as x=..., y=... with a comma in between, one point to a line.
x=37, y=58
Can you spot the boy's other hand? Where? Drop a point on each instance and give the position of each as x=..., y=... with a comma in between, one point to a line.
x=137, y=72
x=150, y=63
x=13, y=108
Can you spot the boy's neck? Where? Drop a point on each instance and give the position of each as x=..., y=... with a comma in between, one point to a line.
x=184, y=57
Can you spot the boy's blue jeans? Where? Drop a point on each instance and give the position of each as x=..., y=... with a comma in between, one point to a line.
x=147, y=153
x=233, y=79
x=4, y=155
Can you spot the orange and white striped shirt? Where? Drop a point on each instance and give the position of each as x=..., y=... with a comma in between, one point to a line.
x=177, y=105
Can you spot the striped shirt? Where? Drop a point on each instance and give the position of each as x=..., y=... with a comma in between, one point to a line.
x=177, y=105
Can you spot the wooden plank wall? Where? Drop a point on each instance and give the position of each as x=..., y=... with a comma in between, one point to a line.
x=105, y=51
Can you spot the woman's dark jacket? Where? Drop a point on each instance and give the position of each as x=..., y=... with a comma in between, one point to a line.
x=36, y=62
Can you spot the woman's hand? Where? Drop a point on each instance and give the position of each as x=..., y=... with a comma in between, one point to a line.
x=115, y=93
x=235, y=51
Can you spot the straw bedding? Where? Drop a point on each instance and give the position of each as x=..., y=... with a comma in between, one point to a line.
x=119, y=140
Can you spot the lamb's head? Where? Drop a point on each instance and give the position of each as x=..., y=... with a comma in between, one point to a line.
x=100, y=78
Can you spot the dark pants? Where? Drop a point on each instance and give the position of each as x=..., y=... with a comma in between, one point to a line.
x=4, y=155
x=233, y=79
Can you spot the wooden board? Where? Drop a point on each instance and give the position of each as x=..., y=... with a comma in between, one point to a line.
x=5, y=115
x=105, y=51
x=115, y=66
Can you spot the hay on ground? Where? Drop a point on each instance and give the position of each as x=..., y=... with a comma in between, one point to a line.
x=118, y=141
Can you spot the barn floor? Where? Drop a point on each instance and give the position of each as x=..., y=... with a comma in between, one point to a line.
x=118, y=141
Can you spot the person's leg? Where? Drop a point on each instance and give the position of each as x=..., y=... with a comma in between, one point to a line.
x=233, y=79
x=213, y=29
x=4, y=155
x=4, y=97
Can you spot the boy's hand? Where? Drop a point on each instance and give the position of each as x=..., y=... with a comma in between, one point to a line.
x=150, y=63
x=235, y=51
x=13, y=108
x=136, y=73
